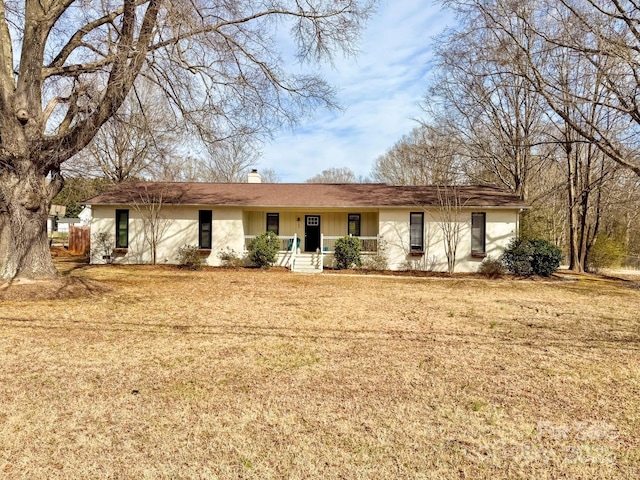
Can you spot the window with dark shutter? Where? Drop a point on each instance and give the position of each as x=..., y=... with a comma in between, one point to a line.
x=273, y=223
x=122, y=228
x=354, y=224
x=204, y=229
x=416, y=232
x=478, y=233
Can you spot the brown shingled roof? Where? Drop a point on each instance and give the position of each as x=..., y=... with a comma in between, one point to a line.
x=303, y=195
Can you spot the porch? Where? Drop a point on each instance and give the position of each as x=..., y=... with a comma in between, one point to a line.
x=312, y=262
x=310, y=236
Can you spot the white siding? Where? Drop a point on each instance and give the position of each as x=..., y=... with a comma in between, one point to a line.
x=501, y=227
x=228, y=232
x=231, y=224
x=181, y=228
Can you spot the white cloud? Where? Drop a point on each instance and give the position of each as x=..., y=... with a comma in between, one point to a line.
x=379, y=89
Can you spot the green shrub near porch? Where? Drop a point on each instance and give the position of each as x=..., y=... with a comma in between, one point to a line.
x=347, y=252
x=263, y=250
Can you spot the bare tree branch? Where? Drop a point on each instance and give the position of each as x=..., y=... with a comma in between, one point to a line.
x=217, y=63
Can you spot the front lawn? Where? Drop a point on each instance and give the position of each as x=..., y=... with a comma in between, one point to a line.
x=162, y=373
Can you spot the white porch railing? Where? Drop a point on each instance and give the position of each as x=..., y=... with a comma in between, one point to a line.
x=289, y=245
x=328, y=242
x=286, y=241
x=294, y=249
x=367, y=244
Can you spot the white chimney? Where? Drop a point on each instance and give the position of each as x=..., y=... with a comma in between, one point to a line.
x=254, y=177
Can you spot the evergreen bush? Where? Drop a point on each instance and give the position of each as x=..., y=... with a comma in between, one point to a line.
x=347, y=252
x=263, y=250
x=532, y=257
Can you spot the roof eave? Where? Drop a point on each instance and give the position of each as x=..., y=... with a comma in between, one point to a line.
x=483, y=207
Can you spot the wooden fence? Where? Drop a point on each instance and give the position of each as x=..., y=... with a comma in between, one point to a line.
x=79, y=239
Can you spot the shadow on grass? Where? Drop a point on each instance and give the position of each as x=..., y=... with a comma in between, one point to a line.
x=66, y=262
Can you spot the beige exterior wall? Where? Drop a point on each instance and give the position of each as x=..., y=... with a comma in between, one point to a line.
x=501, y=227
x=180, y=229
x=332, y=223
x=230, y=225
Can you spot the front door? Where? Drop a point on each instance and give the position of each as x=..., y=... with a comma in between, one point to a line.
x=311, y=233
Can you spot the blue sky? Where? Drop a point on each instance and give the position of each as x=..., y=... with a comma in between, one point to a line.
x=379, y=90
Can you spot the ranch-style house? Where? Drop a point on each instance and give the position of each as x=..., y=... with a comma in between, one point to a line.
x=409, y=226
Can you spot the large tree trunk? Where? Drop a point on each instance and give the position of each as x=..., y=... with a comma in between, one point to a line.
x=25, y=197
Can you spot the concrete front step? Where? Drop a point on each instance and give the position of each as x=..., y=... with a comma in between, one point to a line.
x=307, y=264
x=307, y=270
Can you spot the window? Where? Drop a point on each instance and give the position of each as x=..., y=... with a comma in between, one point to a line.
x=122, y=228
x=416, y=232
x=204, y=229
x=354, y=224
x=273, y=223
x=478, y=230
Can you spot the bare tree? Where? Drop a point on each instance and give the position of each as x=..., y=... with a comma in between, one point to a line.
x=426, y=156
x=604, y=36
x=269, y=175
x=493, y=111
x=196, y=169
x=448, y=213
x=184, y=168
x=335, y=175
x=216, y=63
x=230, y=160
x=150, y=207
x=524, y=96
x=548, y=217
x=587, y=168
x=139, y=141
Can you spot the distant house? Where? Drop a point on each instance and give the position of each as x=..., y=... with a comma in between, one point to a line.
x=65, y=222
x=85, y=216
x=406, y=225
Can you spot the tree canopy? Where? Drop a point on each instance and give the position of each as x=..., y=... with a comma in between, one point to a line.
x=538, y=97
x=335, y=175
x=67, y=66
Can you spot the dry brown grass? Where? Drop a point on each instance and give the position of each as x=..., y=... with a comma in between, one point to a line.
x=246, y=374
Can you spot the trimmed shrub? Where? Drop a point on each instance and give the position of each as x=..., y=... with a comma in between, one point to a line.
x=230, y=258
x=347, y=252
x=189, y=257
x=263, y=250
x=606, y=252
x=491, y=268
x=546, y=258
x=517, y=258
x=532, y=257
